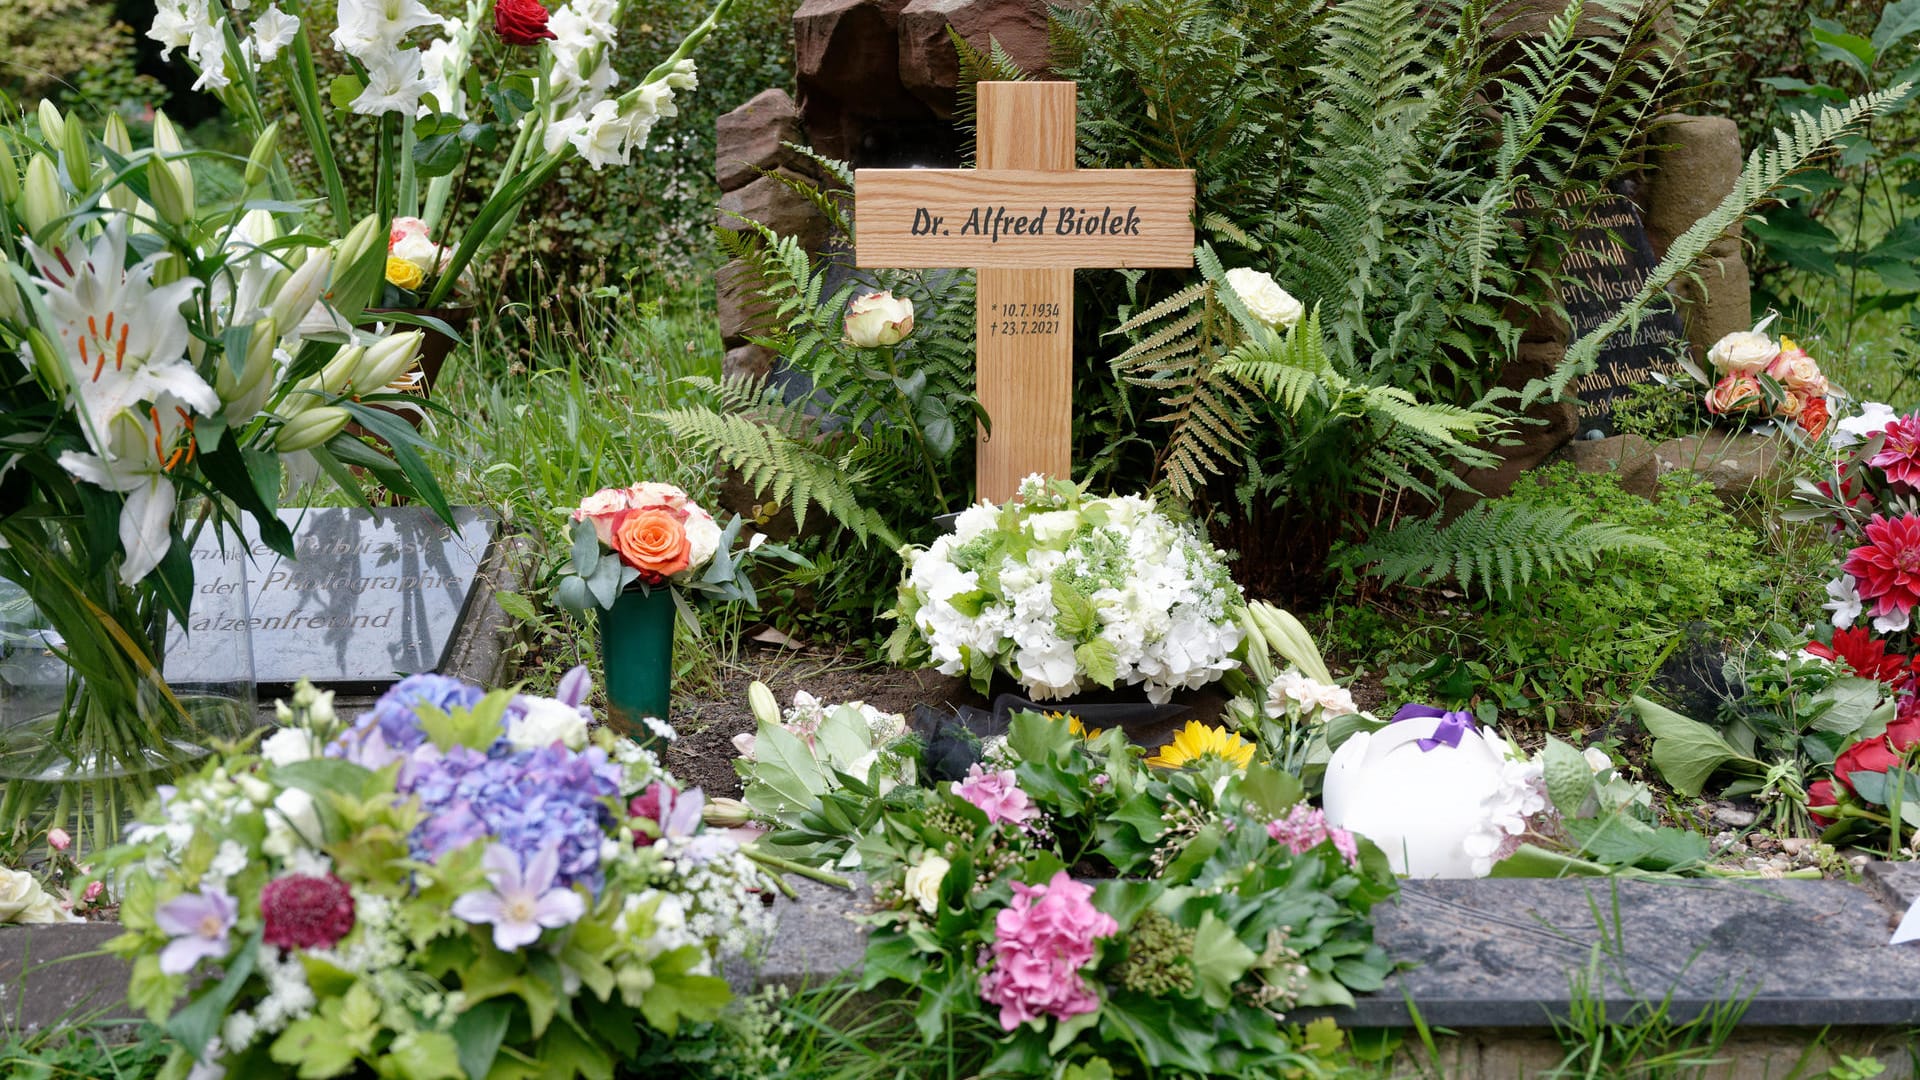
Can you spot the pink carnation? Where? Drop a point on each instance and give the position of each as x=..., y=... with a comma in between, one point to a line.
x=998, y=796
x=1899, y=456
x=1305, y=828
x=1041, y=941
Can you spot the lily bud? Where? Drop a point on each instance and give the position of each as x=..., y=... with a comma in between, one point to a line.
x=358, y=240
x=260, y=160
x=10, y=305
x=41, y=202
x=9, y=173
x=53, y=126
x=116, y=136
x=46, y=361
x=760, y=699
x=235, y=387
x=166, y=140
x=724, y=813
x=339, y=370
x=171, y=200
x=79, y=157
x=385, y=360
x=311, y=428
x=302, y=290
x=170, y=267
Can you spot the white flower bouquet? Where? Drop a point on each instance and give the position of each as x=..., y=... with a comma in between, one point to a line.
x=1063, y=591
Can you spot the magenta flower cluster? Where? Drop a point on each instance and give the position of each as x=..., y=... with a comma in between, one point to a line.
x=997, y=795
x=1305, y=828
x=1041, y=941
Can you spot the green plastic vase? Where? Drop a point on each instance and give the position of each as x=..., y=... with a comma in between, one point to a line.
x=636, y=648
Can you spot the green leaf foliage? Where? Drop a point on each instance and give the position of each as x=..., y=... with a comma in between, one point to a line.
x=1498, y=545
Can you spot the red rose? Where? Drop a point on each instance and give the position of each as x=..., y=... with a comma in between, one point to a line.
x=1813, y=418
x=1905, y=729
x=1820, y=794
x=1867, y=755
x=521, y=22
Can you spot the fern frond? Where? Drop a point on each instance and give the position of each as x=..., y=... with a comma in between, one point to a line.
x=1497, y=545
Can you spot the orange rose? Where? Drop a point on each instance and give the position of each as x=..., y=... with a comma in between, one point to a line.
x=652, y=541
x=1813, y=418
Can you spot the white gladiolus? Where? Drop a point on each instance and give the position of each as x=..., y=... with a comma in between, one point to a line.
x=273, y=30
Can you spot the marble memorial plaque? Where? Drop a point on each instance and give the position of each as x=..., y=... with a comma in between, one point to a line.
x=370, y=597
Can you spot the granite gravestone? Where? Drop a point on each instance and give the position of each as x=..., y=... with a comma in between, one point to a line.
x=369, y=597
x=1609, y=260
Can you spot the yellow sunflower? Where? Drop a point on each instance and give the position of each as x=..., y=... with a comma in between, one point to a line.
x=1075, y=726
x=1197, y=742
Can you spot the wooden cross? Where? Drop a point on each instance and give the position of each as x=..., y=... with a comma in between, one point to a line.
x=1025, y=219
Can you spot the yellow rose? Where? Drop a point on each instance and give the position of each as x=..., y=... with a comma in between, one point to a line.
x=404, y=274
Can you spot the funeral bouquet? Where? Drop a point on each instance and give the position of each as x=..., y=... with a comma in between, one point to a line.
x=1757, y=378
x=651, y=536
x=1079, y=901
x=457, y=884
x=1063, y=591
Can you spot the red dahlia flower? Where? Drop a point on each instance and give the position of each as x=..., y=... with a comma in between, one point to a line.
x=1899, y=456
x=1866, y=655
x=304, y=912
x=1886, y=569
x=521, y=22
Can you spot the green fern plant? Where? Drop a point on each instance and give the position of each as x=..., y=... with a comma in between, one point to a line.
x=1498, y=545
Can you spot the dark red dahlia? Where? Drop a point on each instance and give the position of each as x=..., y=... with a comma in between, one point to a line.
x=305, y=912
x=1866, y=655
x=1886, y=569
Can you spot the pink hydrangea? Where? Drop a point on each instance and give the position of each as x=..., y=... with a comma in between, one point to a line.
x=998, y=795
x=1041, y=941
x=1305, y=828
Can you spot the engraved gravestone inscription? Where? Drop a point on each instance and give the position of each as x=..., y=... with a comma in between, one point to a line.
x=370, y=596
x=1609, y=260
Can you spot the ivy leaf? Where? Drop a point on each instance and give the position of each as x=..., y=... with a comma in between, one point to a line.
x=1219, y=960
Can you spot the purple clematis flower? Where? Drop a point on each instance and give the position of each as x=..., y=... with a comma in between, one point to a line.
x=199, y=924
x=521, y=903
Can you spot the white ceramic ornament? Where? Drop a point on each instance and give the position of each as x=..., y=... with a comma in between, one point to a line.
x=1417, y=805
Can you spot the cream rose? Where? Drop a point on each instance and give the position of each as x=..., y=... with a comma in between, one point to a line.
x=22, y=900
x=1264, y=298
x=288, y=745
x=922, y=884
x=703, y=539
x=879, y=319
x=543, y=722
x=601, y=508
x=293, y=823
x=1743, y=352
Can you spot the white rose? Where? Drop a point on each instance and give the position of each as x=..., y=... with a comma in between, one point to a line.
x=418, y=250
x=22, y=900
x=1053, y=527
x=1742, y=352
x=653, y=493
x=543, y=722
x=703, y=539
x=878, y=319
x=288, y=745
x=1264, y=298
x=293, y=823
x=600, y=508
x=922, y=884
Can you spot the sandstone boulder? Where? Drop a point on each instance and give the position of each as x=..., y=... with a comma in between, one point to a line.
x=1739, y=464
x=754, y=137
x=848, y=50
x=773, y=203
x=1628, y=457
x=929, y=65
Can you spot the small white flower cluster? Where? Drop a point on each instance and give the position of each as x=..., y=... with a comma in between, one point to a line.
x=370, y=31
x=1307, y=698
x=603, y=130
x=191, y=25
x=1162, y=601
x=1509, y=810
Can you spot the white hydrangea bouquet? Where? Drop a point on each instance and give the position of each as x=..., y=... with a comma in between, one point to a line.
x=1064, y=592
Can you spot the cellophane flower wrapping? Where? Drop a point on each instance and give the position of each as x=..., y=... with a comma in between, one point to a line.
x=1065, y=592
x=454, y=875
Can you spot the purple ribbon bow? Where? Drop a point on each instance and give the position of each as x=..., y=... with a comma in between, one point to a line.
x=1452, y=724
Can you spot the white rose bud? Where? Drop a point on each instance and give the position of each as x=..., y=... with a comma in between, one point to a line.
x=22, y=900
x=543, y=722
x=1743, y=353
x=1264, y=298
x=922, y=884
x=879, y=319
x=288, y=745
x=1597, y=759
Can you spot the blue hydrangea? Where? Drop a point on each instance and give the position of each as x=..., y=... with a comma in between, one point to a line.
x=393, y=721
x=523, y=799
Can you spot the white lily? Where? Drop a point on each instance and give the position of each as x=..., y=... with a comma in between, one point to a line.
x=123, y=338
x=135, y=461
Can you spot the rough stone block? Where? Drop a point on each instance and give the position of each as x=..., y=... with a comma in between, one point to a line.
x=929, y=65
x=1737, y=463
x=1718, y=303
x=52, y=979
x=769, y=201
x=1695, y=163
x=1531, y=444
x=849, y=50
x=1629, y=457
x=747, y=362
x=753, y=137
